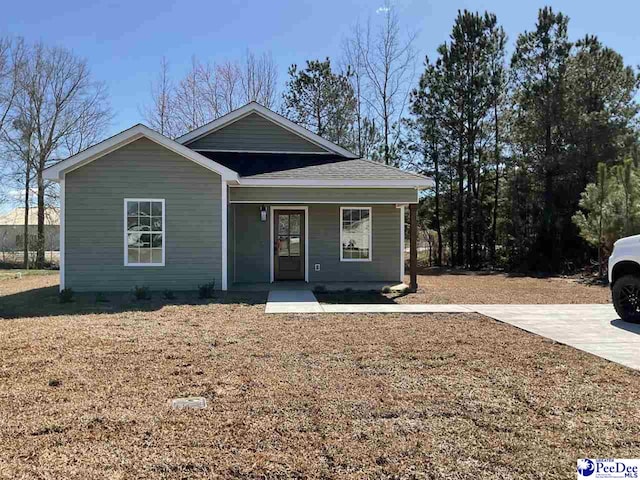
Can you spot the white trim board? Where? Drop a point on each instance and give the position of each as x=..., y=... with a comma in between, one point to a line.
x=225, y=233
x=275, y=152
x=417, y=184
x=62, y=233
x=272, y=238
x=312, y=202
x=344, y=184
x=254, y=107
x=55, y=172
x=401, y=208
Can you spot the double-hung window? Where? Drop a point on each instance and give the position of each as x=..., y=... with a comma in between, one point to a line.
x=355, y=234
x=144, y=233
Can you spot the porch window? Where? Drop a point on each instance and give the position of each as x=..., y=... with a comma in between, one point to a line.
x=144, y=232
x=355, y=234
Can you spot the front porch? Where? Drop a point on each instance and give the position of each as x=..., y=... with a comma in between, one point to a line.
x=328, y=248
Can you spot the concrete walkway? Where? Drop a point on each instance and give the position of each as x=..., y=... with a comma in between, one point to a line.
x=594, y=328
x=292, y=301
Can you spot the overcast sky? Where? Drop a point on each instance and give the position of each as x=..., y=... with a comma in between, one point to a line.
x=125, y=40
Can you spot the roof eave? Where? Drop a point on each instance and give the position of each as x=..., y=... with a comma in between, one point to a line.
x=418, y=184
x=254, y=107
x=56, y=172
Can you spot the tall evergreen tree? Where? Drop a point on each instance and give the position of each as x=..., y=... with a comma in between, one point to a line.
x=322, y=101
x=539, y=67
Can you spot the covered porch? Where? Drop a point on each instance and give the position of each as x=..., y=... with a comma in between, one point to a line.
x=358, y=244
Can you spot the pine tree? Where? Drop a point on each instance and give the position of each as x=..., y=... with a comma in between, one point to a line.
x=322, y=101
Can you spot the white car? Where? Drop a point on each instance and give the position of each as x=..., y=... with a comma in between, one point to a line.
x=624, y=278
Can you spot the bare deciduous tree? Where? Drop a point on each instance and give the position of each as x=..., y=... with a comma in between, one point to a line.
x=18, y=146
x=190, y=111
x=258, y=79
x=229, y=86
x=58, y=111
x=352, y=61
x=387, y=61
x=209, y=91
x=11, y=61
x=160, y=113
x=208, y=86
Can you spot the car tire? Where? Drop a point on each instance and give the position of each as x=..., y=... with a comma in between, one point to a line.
x=626, y=298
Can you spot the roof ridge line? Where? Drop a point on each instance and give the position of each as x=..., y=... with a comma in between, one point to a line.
x=392, y=167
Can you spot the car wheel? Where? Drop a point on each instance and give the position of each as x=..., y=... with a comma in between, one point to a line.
x=626, y=298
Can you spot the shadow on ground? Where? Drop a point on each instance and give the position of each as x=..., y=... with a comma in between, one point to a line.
x=629, y=327
x=44, y=302
x=439, y=271
x=372, y=297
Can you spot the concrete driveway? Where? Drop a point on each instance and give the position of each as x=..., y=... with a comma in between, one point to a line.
x=592, y=328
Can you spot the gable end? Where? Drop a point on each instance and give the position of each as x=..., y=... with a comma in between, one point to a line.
x=254, y=132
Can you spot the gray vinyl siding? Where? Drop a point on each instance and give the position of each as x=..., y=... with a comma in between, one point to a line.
x=231, y=243
x=94, y=220
x=313, y=195
x=251, y=259
x=324, y=232
x=254, y=133
x=252, y=245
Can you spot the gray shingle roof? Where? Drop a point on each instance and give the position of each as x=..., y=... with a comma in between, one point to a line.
x=308, y=167
x=357, y=169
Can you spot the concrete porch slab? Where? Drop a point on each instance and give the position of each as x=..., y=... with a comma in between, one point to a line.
x=292, y=301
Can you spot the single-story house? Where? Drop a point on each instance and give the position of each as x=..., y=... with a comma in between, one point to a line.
x=12, y=229
x=248, y=198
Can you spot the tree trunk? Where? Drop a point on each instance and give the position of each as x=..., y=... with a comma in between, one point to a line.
x=40, y=258
x=452, y=255
x=494, y=226
x=386, y=135
x=25, y=243
x=436, y=175
x=460, y=220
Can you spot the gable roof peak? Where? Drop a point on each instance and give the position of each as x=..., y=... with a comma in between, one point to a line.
x=276, y=118
x=57, y=171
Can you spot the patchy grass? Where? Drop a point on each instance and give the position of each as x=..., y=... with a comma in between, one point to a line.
x=10, y=273
x=296, y=396
x=444, y=286
x=461, y=287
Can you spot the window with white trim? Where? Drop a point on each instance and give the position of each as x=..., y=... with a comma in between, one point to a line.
x=144, y=232
x=355, y=234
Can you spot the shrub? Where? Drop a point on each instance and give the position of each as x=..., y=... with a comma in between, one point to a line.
x=319, y=289
x=386, y=289
x=65, y=295
x=207, y=290
x=54, y=382
x=169, y=295
x=101, y=298
x=141, y=293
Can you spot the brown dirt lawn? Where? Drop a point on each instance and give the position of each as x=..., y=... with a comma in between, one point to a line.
x=84, y=390
x=441, y=286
